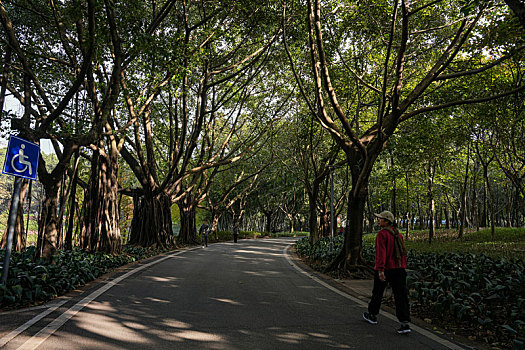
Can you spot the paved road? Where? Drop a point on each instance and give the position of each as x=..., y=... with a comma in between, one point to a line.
x=249, y=295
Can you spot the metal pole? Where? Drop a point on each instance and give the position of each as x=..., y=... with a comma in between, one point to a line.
x=13, y=211
x=332, y=213
x=28, y=208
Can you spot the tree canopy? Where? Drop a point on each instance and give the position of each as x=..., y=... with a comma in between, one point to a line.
x=240, y=111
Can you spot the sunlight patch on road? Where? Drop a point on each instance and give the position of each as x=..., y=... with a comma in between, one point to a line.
x=292, y=338
x=113, y=328
x=155, y=300
x=319, y=335
x=228, y=301
x=176, y=324
x=303, y=303
x=198, y=336
x=162, y=279
x=262, y=274
x=105, y=307
x=135, y=325
x=253, y=252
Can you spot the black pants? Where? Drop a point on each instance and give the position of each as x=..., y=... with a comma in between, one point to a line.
x=397, y=278
x=205, y=240
x=235, y=238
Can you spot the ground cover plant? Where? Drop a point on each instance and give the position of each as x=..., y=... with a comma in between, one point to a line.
x=466, y=286
x=32, y=282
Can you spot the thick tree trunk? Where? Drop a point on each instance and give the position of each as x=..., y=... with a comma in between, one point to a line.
x=151, y=224
x=350, y=257
x=68, y=239
x=370, y=218
x=47, y=226
x=354, y=239
x=324, y=222
x=214, y=225
x=188, y=230
x=268, y=221
x=101, y=231
x=291, y=218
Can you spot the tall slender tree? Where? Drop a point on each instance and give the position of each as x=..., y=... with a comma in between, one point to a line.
x=409, y=71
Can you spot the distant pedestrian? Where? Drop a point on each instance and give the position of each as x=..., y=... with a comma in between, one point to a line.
x=390, y=265
x=204, y=233
x=236, y=231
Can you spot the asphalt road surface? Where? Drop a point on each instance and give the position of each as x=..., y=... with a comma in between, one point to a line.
x=249, y=295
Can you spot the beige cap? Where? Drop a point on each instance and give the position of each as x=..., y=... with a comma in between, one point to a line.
x=386, y=215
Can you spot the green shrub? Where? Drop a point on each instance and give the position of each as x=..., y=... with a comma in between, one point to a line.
x=320, y=250
x=251, y=234
x=465, y=289
x=288, y=234
x=30, y=282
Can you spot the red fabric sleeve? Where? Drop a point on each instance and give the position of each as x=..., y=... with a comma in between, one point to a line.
x=381, y=253
x=384, y=259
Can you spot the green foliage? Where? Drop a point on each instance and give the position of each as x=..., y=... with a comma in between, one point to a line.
x=509, y=243
x=288, y=234
x=464, y=289
x=320, y=251
x=453, y=286
x=31, y=282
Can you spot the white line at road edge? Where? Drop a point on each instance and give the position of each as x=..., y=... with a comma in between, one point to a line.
x=420, y=330
x=6, y=339
x=35, y=341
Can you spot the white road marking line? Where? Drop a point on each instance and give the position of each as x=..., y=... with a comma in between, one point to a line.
x=420, y=330
x=35, y=341
x=7, y=338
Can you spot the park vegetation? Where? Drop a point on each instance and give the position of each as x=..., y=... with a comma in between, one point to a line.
x=161, y=114
x=472, y=287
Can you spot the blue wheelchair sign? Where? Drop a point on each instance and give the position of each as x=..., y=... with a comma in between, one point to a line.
x=21, y=158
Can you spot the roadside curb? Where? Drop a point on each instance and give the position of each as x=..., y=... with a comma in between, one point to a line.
x=362, y=289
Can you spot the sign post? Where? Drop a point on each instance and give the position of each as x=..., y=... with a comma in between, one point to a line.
x=21, y=161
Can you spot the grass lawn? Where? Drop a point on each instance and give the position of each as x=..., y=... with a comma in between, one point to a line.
x=508, y=243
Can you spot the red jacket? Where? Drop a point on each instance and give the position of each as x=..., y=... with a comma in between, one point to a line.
x=385, y=259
